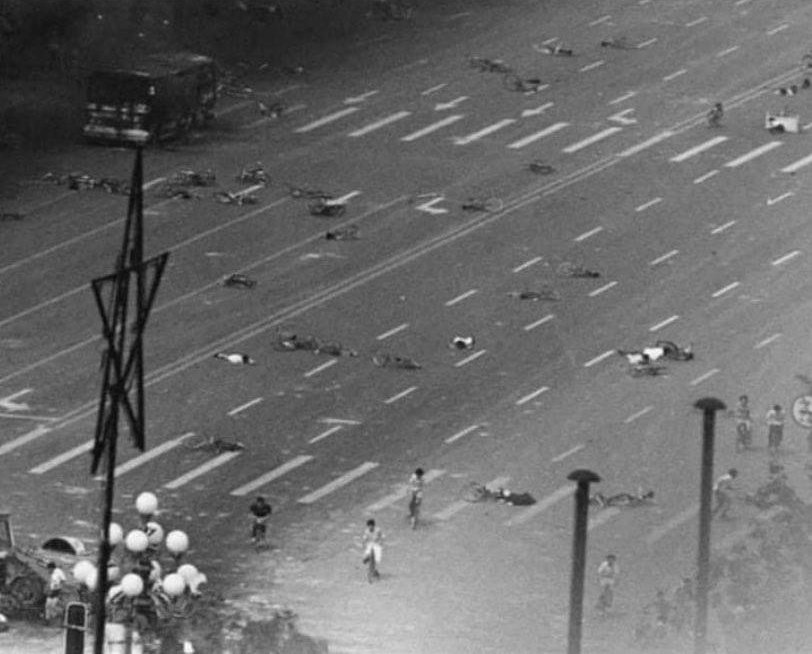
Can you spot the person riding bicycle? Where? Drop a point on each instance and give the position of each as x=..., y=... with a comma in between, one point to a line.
x=260, y=509
x=608, y=573
x=715, y=115
x=416, y=484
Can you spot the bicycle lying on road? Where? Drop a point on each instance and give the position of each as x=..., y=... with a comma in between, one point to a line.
x=528, y=86
x=238, y=199
x=540, y=168
x=301, y=192
x=384, y=360
x=188, y=177
x=238, y=280
x=212, y=445
x=568, y=269
x=482, y=204
x=641, y=498
x=485, y=65
x=326, y=208
x=254, y=174
x=544, y=294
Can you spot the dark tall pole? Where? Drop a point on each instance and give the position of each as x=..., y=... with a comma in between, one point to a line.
x=709, y=407
x=583, y=479
x=122, y=365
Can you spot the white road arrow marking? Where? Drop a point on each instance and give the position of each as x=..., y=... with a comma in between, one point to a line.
x=8, y=404
x=360, y=98
x=537, y=110
x=620, y=117
x=429, y=207
x=442, y=106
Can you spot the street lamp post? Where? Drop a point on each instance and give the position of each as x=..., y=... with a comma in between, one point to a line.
x=583, y=478
x=709, y=407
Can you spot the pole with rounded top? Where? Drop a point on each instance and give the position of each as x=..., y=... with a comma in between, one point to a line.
x=583, y=478
x=709, y=406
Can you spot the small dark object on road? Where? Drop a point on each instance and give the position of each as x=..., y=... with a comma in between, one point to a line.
x=236, y=358
x=462, y=342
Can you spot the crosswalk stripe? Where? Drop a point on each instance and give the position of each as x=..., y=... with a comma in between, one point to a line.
x=797, y=165
x=445, y=122
x=402, y=492
x=527, y=140
x=485, y=131
x=580, y=145
x=326, y=119
x=72, y=453
x=154, y=453
x=216, y=462
x=383, y=122
x=542, y=505
x=268, y=477
x=334, y=485
x=707, y=145
x=757, y=152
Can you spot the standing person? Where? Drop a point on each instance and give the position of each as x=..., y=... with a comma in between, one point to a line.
x=608, y=573
x=372, y=541
x=775, y=428
x=721, y=491
x=55, y=581
x=260, y=509
x=416, y=483
x=744, y=424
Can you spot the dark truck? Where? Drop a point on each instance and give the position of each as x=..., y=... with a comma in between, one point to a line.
x=159, y=97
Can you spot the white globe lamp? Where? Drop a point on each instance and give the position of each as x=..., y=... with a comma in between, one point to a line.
x=82, y=569
x=136, y=541
x=174, y=584
x=132, y=585
x=177, y=542
x=146, y=504
x=188, y=572
x=115, y=534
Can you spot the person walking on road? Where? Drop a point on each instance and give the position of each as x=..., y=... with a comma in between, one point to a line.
x=260, y=510
x=416, y=483
x=608, y=573
x=372, y=541
x=56, y=580
x=721, y=491
x=775, y=429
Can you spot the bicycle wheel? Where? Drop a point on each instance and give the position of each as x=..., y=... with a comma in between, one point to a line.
x=474, y=492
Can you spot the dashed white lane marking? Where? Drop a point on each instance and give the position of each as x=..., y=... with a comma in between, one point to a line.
x=600, y=20
x=673, y=523
x=433, y=89
x=552, y=39
x=586, y=235
x=675, y=74
x=334, y=485
x=725, y=289
x=455, y=507
x=339, y=421
x=704, y=376
x=568, y=453
x=147, y=456
x=527, y=264
x=775, y=30
x=786, y=257
x=637, y=415
x=663, y=323
x=783, y=196
x=538, y=110
x=245, y=406
x=592, y=66
x=485, y=131
x=664, y=257
x=461, y=297
x=692, y=152
x=401, y=395
x=344, y=198
x=741, y=2
x=531, y=138
x=402, y=492
x=268, y=477
x=461, y=433
x=327, y=432
x=153, y=182
x=538, y=322
x=542, y=505
x=645, y=44
x=592, y=139
x=58, y=460
x=706, y=176
x=325, y=120
x=721, y=228
x=756, y=152
x=32, y=435
x=429, y=129
x=599, y=358
x=648, y=204
x=766, y=341
x=201, y=470
x=533, y=395
x=623, y=98
x=696, y=21
x=470, y=358
x=459, y=15
x=727, y=51
x=392, y=332
x=797, y=165
x=363, y=96
x=654, y=140
x=602, y=289
x=378, y=124
x=318, y=369
x=604, y=516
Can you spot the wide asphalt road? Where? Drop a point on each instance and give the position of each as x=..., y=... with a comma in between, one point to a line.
x=699, y=235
